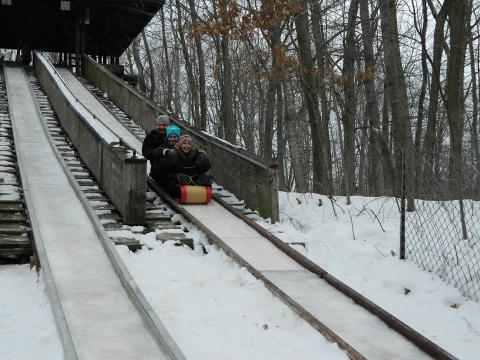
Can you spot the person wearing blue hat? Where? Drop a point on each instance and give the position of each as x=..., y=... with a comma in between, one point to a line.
x=162, y=165
x=173, y=135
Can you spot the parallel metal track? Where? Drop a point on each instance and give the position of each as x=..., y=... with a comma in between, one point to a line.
x=239, y=210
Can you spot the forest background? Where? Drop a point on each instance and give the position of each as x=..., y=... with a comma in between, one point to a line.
x=339, y=94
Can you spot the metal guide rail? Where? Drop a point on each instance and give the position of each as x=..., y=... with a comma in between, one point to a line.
x=86, y=279
x=274, y=279
x=15, y=232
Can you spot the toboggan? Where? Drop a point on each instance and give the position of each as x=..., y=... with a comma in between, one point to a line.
x=194, y=194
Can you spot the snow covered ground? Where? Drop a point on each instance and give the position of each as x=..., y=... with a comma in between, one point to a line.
x=217, y=310
x=27, y=325
x=354, y=248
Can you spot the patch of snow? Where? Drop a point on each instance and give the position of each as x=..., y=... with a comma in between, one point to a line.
x=137, y=229
x=27, y=325
x=126, y=234
x=216, y=310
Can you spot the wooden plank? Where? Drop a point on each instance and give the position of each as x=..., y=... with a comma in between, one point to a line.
x=103, y=207
x=114, y=217
x=11, y=202
x=86, y=183
x=178, y=237
x=12, y=218
x=133, y=244
x=93, y=191
x=113, y=226
x=156, y=217
x=14, y=229
x=171, y=236
x=16, y=251
x=78, y=177
x=97, y=197
x=150, y=206
x=163, y=225
x=14, y=240
x=8, y=208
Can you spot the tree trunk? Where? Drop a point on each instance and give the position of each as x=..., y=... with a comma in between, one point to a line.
x=430, y=132
x=397, y=96
x=455, y=96
x=309, y=87
x=281, y=141
x=321, y=51
x=421, y=100
x=271, y=93
x=383, y=138
x=362, y=188
x=293, y=139
x=474, y=128
x=150, y=65
x=371, y=108
x=228, y=119
x=188, y=67
x=176, y=77
x=169, y=92
x=201, y=71
x=349, y=110
x=139, y=64
x=129, y=59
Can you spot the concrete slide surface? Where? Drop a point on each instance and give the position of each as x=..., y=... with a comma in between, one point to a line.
x=102, y=320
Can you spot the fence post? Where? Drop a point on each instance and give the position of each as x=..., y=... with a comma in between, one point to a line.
x=402, y=207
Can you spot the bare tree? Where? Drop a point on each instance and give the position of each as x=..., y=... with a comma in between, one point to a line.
x=139, y=64
x=350, y=104
x=308, y=83
x=397, y=94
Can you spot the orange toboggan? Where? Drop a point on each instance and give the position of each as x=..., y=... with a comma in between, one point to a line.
x=194, y=194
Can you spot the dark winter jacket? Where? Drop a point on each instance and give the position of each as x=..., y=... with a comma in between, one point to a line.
x=153, y=145
x=166, y=168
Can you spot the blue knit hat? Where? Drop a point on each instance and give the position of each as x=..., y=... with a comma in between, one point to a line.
x=173, y=130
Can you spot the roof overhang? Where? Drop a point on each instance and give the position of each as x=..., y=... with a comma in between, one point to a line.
x=110, y=25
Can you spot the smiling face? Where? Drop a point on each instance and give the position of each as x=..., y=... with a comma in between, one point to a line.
x=186, y=146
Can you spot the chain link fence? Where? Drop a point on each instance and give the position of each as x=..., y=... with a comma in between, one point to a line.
x=442, y=235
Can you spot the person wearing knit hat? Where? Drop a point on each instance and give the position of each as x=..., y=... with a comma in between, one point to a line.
x=185, y=139
x=173, y=135
x=163, y=120
x=156, y=139
x=191, y=164
x=162, y=166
